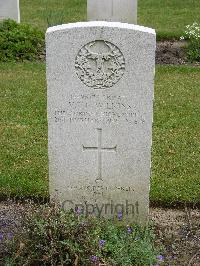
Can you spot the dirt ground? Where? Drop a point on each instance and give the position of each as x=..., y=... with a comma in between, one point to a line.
x=177, y=230
x=173, y=53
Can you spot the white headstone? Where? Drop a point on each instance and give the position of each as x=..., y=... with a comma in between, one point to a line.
x=9, y=9
x=100, y=106
x=112, y=10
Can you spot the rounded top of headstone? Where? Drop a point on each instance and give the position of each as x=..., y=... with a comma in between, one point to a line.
x=101, y=24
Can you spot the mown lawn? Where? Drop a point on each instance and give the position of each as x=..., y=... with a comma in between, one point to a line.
x=23, y=130
x=176, y=139
x=176, y=136
x=168, y=17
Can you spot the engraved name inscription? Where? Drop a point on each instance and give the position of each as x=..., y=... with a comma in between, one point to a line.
x=94, y=108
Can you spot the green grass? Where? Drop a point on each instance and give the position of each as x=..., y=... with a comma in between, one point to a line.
x=36, y=12
x=23, y=129
x=168, y=17
x=176, y=138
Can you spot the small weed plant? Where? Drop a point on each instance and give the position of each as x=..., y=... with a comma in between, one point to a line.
x=192, y=35
x=54, y=237
x=20, y=42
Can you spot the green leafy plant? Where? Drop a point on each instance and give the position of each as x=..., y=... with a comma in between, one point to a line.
x=192, y=35
x=20, y=42
x=54, y=237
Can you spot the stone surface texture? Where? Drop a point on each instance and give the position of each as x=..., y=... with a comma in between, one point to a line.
x=100, y=79
x=9, y=9
x=112, y=10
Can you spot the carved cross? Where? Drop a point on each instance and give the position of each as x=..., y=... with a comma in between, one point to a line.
x=99, y=149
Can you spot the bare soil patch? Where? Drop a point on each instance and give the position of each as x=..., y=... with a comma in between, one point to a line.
x=177, y=230
x=173, y=53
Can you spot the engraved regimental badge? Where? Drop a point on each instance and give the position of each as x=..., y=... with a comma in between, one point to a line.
x=100, y=64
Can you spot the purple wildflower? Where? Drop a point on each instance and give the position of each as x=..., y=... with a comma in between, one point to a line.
x=78, y=210
x=129, y=230
x=119, y=215
x=102, y=243
x=160, y=258
x=94, y=258
x=1, y=236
